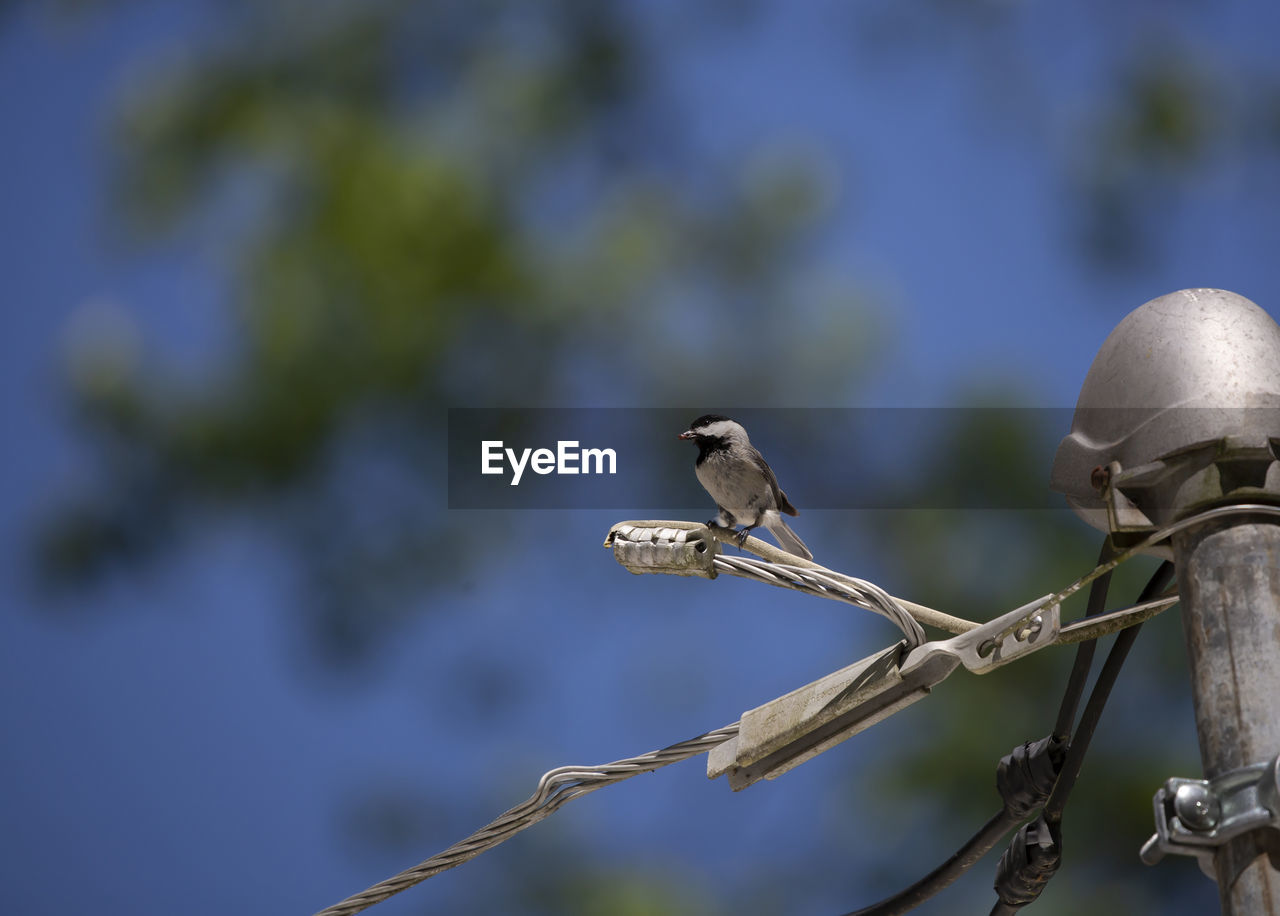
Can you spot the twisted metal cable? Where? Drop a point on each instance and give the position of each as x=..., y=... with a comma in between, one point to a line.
x=826, y=584
x=778, y=557
x=555, y=788
x=675, y=533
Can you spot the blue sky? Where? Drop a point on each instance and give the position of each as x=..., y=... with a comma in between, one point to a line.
x=169, y=747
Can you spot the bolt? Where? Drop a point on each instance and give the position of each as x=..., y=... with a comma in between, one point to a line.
x=1031, y=629
x=1196, y=806
x=1099, y=477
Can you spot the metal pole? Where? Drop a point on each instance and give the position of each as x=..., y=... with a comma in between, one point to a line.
x=1229, y=583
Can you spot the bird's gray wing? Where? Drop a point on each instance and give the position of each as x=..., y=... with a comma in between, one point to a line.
x=780, y=501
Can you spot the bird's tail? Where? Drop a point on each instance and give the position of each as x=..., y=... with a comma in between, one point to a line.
x=787, y=539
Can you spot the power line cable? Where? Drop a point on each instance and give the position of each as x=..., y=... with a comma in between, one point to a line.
x=555, y=788
x=1028, y=777
x=1035, y=854
x=1085, y=651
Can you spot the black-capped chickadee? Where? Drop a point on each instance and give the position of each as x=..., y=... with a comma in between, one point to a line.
x=741, y=482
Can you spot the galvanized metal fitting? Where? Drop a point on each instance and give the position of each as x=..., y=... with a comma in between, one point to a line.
x=1196, y=816
x=1180, y=410
x=671, y=548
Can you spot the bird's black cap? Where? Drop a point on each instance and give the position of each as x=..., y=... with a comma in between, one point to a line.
x=707, y=418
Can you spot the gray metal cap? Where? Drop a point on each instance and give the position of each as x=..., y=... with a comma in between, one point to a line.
x=1177, y=372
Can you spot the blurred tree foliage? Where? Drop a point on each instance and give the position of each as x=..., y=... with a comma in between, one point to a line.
x=1153, y=109
x=490, y=202
x=468, y=203
x=444, y=204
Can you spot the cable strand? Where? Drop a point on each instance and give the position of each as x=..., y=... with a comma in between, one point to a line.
x=556, y=788
x=827, y=584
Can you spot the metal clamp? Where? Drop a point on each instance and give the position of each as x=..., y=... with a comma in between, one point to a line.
x=785, y=732
x=671, y=548
x=1196, y=816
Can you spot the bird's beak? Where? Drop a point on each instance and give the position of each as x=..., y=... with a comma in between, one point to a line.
x=687, y=434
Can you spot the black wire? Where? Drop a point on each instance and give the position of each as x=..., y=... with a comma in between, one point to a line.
x=1018, y=882
x=1053, y=808
x=1013, y=879
x=966, y=856
x=1000, y=823
x=1084, y=652
x=1098, y=698
x=1003, y=820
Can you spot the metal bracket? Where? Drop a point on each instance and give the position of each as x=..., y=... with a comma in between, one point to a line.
x=1104, y=624
x=1196, y=816
x=1142, y=498
x=785, y=732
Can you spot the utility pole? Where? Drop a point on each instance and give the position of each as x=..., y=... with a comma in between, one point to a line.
x=1179, y=414
x=1229, y=583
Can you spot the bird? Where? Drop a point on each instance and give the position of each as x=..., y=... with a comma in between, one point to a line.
x=741, y=482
